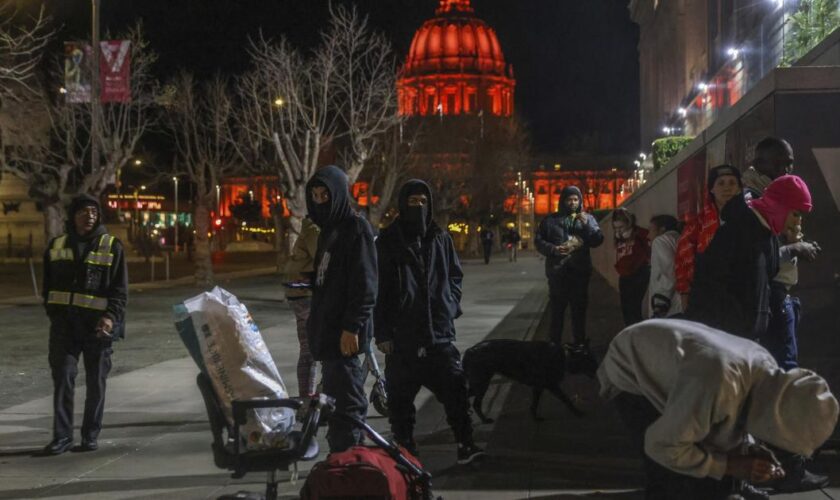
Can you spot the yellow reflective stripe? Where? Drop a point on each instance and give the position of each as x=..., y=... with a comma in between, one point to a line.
x=57, y=250
x=61, y=254
x=63, y=298
x=99, y=259
x=108, y=243
x=89, y=302
x=59, y=242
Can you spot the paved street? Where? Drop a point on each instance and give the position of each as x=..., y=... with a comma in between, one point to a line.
x=155, y=443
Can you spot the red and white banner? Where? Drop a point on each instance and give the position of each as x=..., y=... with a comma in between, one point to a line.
x=115, y=71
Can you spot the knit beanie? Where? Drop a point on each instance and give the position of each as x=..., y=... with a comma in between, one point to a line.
x=784, y=195
x=720, y=171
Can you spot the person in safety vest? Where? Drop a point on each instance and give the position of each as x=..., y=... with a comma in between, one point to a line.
x=85, y=294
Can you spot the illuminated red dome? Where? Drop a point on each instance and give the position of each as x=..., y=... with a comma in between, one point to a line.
x=455, y=66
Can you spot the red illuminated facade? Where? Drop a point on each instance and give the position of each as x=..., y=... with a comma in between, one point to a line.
x=602, y=189
x=455, y=66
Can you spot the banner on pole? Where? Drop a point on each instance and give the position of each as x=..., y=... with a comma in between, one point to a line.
x=115, y=71
x=77, y=72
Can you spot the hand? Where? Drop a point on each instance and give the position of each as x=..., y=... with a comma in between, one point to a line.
x=752, y=468
x=806, y=250
x=104, y=327
x=386, y=347
x=561, y=249
x=349, y=343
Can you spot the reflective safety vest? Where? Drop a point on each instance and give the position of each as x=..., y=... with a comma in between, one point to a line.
x=100, y=259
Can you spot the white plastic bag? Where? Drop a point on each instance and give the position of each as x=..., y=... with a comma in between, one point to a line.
x=238, y=362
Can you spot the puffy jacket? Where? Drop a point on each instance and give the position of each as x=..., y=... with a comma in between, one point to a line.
x=419, y=286
x=301, y=263
x=558, y=228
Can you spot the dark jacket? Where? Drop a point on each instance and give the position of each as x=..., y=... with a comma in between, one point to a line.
x=419, y=283
x=558, y=228
x=344, y=289
x=106, y=280
x=731, y=290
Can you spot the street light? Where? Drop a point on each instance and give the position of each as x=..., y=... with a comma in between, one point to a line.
x=279, y=102
x=175, y=180
x=138, y=162
x=94, y=88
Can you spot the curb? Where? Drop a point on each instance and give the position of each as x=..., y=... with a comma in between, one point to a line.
x=156, y=285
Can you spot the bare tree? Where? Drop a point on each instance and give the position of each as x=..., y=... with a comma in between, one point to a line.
x=57, y=168
x=202, y=124
x=388, y=169
x=296, y=106
x=21, y=49
x=364, y=86
x=287, y=118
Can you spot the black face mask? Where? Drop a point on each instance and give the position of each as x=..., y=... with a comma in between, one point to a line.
x=415, y=220
x=321, y=214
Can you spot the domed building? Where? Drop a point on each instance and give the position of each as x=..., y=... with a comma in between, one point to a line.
x=455, y=66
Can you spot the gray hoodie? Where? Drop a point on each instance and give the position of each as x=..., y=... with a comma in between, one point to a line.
x=713, y=389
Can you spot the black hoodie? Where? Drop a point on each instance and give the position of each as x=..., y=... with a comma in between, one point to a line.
x=90, y=280
x=419, y=282
x=344, y=290
x=559, y=227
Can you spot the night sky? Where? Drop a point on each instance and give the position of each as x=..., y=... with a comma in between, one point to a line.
x=575, y=62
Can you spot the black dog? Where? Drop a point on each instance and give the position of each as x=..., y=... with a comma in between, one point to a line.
x=540, y=365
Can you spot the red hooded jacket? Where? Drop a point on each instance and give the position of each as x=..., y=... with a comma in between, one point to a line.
x=696, y=236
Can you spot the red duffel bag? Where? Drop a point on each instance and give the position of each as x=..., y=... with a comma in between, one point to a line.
x=364, y=472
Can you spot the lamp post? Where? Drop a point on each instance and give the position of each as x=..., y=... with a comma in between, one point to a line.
x=175, y=180
x=94, y=88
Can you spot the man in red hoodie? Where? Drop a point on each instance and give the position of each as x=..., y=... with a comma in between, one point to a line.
x=632, y=261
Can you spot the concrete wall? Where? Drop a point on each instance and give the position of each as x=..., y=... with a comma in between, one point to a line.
x=18, y=223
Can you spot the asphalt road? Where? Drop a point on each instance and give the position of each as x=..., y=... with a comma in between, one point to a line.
x=150, y=334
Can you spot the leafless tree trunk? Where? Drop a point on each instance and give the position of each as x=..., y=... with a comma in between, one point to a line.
x=201, y=123
x=56, y=166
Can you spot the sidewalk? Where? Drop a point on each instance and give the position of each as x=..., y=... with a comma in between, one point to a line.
x=156, y=441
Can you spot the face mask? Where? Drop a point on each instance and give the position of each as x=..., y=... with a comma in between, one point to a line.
x=415, y=220
x=320, y=214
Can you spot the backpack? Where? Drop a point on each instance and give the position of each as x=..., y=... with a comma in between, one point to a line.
x=363, y=472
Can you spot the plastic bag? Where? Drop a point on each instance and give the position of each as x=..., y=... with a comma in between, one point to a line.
x=226, y=344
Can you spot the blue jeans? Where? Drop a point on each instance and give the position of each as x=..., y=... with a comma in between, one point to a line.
x=780, y=338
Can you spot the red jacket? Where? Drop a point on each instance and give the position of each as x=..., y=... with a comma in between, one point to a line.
x=696, y=236
x=632, y=254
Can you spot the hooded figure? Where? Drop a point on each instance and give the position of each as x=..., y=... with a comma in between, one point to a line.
x=340, y=323
x=85, y=295
x=420, y=294
x=565, y=238
x=706, y=391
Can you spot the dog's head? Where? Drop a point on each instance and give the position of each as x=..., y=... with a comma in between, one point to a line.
x=579, y=359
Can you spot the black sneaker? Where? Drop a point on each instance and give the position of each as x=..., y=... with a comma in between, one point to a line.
x=467, y=453
x=750, y=492
x=797, y=478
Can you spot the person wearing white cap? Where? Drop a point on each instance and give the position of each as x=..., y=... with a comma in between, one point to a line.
x=693, y=397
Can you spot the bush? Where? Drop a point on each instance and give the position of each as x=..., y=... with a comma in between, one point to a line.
x=666, y=148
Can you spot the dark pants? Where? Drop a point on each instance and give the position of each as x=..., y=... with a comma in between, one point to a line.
x=632, y=290
x=440, y=371
x=571, y=287
x=70, y=339
x=344, y=380
x=663, y=484
x=780, y=337
x=488, y=249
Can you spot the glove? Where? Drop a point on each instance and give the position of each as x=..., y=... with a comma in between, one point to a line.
x=386, y=347
x=660, y=305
